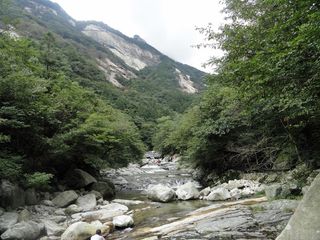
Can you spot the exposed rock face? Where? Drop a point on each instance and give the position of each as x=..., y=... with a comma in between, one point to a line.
x=123, y=221
x=78, y=178
x=87, y=202
x=65, y=198
x=11, y=195
x=133, y=55
x=160, y=193
x=187, y=191
x=7, y=220
x=185, y=82
x=24, y=230
x=305, y=223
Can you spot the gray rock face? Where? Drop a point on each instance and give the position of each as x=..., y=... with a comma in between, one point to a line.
x=106, y=189
x=123, y=221
x=87, y=202
x=23, y=230
x=160, y=193
x=65, y=198
x=7, y=220
x=305, y=223
x=78, y=178
x=187, y=191
x=11, y=195
x=31, y=196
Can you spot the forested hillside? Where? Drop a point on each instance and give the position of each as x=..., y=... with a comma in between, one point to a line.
x=261, y=108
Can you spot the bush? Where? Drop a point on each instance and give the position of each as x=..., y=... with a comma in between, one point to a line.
x=38, y=180
x=10, y=167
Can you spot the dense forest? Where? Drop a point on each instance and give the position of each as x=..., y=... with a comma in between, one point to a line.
x=261, y=108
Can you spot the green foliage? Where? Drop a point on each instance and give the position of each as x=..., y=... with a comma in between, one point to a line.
x=264, y=99
x=10, y=166
x=38, y=180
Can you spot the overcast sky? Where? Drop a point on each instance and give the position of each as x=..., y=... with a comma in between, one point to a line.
x=168, y=25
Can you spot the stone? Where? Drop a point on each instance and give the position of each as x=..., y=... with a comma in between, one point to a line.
x=24, y=230
x=47, y=203
x=7, y=220
x=31, y=196
x=105, y=214
x=105, y=188
x=235, y=194
x=79, y=231
x=187, y=191
x=127, y=202
x=11, y=195
x=218, y=194
x=24, y=215
x=97, y=194
x=123, y=221
x=52, y=228
x=160, y=193
x=78, y=178
x=73, y=208
x=65, y=198
x=87, y=202
x=205, y=192
x=273, y=191
x=305, y=222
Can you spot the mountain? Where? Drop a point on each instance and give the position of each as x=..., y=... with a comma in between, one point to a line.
x=128, y=73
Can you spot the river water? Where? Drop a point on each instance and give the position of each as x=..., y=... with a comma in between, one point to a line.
x=195, y=219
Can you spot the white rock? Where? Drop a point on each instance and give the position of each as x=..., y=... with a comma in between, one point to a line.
x=187, y=191
x=73, y=208
x=218, y=194
x=52, y=228
x=123, y=221
x=87, y=202
x=24, y=230
x=7, y=220
x=205, y=192
x=160, y=193
x=235, y=193
x=65, y=198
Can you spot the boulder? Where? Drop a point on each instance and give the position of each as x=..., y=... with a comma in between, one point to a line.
x=24, y=215
x=205, y=192
x=7, y=220
x=235, y=194
x=105, y=188
x=123, y=221
x=24, y=230
x=78, y=178
x=73, y=208
x=31, y=197
x=87, y=202
x=218, y=194
x=160, y=193
x=105, y=214
x=65, y=198
x=187, y=191
x=52, y=228
x=11, y=195
x=305, y=222
x=79, y=231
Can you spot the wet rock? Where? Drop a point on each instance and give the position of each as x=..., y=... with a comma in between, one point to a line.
x=7, y=220
x=123, y=221
x=87, y=202
x=305, y=223
x=218, y=194
x=65, y=198
x=24, y=230
x=160, y=193
x=187, y=191
x=78, y=178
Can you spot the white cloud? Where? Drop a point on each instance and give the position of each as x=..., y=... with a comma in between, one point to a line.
x=168, y=25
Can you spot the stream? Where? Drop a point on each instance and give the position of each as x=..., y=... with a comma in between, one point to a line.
x=250, y=218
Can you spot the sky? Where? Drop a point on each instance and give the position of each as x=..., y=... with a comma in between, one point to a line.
x=167, y=25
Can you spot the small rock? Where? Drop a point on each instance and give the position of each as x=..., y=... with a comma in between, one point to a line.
x=123, y=221
x=47, y=203
x=73, y=208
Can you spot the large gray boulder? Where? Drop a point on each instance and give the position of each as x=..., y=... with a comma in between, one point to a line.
x=11, y=195
x=79, y=231
x=31, y=197
x=218, y=194
x=87, y=202
x=187, y=191
x=65, y=198
x=7, y=220
x=123, y=221
x=160, y=193
x=105, y=188
x=52, y=228
x=78, y=178
x=24, y=230
x=305, y=222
